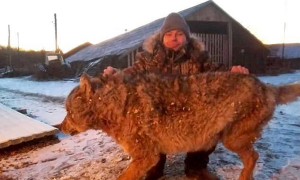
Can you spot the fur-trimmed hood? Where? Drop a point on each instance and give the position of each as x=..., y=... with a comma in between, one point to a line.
x=156, y=58
x=152, y=41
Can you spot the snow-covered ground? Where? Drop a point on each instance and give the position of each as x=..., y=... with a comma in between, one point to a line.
x=93, y=155
x=43, y=99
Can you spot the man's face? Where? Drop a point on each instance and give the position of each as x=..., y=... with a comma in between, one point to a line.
x=174, y=39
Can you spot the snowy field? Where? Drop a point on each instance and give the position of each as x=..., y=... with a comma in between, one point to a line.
x=93, y=155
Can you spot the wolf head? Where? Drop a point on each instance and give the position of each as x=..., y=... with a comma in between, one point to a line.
x=90, y=104
x=78, y=106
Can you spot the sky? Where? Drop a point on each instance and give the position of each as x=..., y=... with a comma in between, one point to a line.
x=78, y=21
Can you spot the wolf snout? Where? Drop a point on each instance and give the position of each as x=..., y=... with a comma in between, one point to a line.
x=62, y=128
x=65, y=128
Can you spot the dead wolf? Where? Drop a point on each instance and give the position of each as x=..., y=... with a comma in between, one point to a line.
x=149, y=115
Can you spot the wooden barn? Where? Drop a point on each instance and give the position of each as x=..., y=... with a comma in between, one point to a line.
x=227, y=41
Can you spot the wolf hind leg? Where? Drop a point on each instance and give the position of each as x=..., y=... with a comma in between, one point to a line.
x=139, y=167
x=249, y=157
x=157, y=171
x=241, y=141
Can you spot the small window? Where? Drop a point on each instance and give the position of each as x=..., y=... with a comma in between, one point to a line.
x=52, y=57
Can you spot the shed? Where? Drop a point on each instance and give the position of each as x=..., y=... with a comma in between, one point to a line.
x=227, y=41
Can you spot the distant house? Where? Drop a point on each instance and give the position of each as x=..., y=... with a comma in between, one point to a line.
x=284, y=56
x=227, y=41
x=285, y=51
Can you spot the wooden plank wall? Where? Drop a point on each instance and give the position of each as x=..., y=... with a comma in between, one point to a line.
x=217, y=46
x=131, y=57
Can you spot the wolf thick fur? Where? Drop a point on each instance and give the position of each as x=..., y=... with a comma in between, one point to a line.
x=151, y=114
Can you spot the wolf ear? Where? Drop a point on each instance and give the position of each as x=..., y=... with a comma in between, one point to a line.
x=85, y=85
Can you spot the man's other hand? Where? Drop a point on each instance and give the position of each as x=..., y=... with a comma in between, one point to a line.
x=109, y=71
x=239, y=69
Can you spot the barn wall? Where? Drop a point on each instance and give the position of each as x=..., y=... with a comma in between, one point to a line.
x=214, y=29
x=248, y=51
x=238, y=47
x=209, y=13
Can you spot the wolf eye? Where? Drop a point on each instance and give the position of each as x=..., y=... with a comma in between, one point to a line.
x=78, y=100
x=105, y=122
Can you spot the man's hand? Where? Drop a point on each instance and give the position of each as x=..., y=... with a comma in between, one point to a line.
x=239, y=69
x=109, y=71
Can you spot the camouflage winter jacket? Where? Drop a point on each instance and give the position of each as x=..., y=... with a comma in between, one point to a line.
x=157, y=59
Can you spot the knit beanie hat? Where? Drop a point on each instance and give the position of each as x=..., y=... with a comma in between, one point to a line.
x=174, y=21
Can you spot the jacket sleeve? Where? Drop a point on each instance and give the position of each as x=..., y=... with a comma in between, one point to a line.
x=142, y=64
x=212, y=67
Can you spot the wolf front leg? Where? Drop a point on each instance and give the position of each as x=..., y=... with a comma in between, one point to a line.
x=139, y=167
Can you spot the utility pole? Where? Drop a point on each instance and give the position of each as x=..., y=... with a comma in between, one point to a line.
x=283, y=45
x=8, y=47
x=18, y=47
x=18, y=41
x=55, y=24
x=284, y=28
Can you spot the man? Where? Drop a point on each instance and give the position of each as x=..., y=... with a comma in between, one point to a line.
x=173, y=51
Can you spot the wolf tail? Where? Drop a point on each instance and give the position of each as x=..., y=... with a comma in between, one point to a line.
x=287, y=93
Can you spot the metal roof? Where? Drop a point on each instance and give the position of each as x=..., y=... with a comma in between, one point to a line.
x=16, y=128
x=116, y=45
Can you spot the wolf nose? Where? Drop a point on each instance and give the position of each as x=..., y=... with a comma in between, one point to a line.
x=62, y=128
